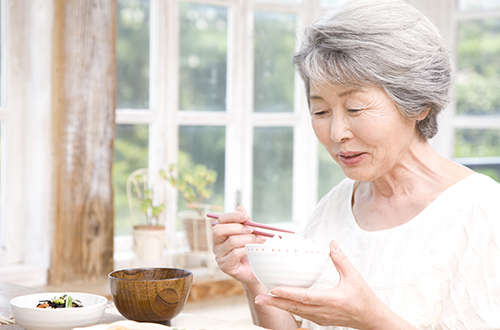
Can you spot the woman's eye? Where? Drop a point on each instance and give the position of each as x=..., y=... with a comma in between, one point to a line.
x=353, y=110
x=319, y=112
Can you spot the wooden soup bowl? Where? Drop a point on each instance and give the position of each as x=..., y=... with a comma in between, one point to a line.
x=150, y=294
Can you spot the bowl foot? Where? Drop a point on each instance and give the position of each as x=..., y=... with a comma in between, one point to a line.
x=167, y=323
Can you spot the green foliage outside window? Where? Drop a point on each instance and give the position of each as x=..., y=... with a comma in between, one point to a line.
x=131, y=153
x=272, y=174
x=204, y=145
x=478, y=79
x=477, y=143
x=203, y=57
x=274, y=44
x=132, y=52
x=478, y=86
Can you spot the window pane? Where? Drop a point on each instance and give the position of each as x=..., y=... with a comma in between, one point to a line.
x=329, y=173
x=272, y=174
x=132, y=54
x=203, y=57
x=477, y=143
x=204, y=145
x=474, y=5
x=274, y=43
x=478, y=81
x=131, y=153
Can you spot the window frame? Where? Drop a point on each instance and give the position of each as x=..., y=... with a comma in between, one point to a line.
x=164, y=86
x=239, y=124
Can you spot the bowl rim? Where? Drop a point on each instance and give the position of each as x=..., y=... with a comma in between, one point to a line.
x=101, y=302
x=324, y=250
x=110, y=275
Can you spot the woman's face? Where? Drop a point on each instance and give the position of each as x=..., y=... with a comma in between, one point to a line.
x=362, y=129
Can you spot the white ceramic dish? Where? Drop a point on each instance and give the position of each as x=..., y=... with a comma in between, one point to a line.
x=31, y=318
x=297, y=267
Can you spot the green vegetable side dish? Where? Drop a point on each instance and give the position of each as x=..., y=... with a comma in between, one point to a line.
x=64, y=301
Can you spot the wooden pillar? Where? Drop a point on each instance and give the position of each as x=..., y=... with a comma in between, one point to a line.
x=83, y=96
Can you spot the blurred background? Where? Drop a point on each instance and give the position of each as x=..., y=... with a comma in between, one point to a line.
x=208, y=82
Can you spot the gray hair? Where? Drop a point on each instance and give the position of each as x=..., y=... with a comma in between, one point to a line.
x=384, y=43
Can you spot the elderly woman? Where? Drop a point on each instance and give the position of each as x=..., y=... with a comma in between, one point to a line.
x=414, y=237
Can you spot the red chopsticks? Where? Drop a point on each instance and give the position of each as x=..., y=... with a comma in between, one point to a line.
x=255, y=224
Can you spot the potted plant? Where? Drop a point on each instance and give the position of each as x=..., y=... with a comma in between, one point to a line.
x=145, y=192
x=193, y=183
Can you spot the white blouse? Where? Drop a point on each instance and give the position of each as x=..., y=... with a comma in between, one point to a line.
x=441, y=270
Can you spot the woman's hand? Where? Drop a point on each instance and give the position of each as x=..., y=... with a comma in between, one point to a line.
x=230, y=237
x=351, y=303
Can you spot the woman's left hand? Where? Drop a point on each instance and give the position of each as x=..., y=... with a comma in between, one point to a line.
x=351, y=303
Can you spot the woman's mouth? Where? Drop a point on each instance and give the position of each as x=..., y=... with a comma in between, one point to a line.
x=351, y=158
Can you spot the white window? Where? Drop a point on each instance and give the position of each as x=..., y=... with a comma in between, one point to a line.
x=477, y=121
x=218, y=87
x=212, y=80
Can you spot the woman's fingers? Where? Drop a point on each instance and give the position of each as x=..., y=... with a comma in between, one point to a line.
x=225, y=231
x=343, y=265
x=239, y=216
x=305, y=296
x=300, y=303
x=235, y=241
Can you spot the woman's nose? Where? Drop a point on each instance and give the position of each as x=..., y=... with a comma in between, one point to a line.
x=340, y=130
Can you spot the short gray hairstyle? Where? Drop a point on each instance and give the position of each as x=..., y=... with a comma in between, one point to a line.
x=384, y=43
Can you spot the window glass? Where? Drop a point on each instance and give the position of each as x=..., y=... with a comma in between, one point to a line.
x=204, y=145
x=478, y=79
x=203, y=57
x=473, y=144
x=132, y=54
x=131, y=153
x=477, y=143
x=475, y=5
x=272, y=174
x=274, y=44
x=329, y=172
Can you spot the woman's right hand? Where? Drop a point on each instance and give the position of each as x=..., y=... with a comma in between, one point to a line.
x=230, y=237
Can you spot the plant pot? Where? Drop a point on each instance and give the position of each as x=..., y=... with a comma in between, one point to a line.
x=149, y=242
x=198, y=230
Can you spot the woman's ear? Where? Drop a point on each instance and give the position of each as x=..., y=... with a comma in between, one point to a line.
x=423, y=115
